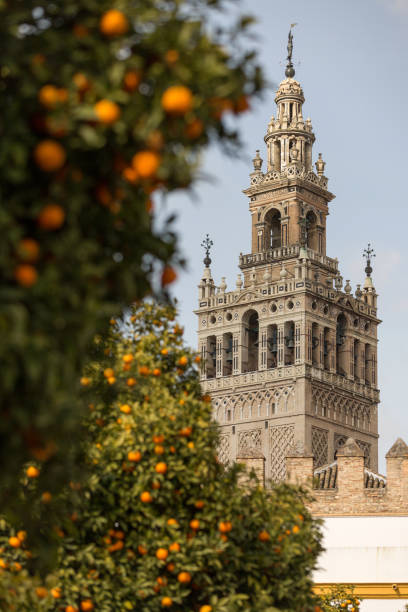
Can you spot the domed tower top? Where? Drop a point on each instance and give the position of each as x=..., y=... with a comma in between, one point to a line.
x=289, y=138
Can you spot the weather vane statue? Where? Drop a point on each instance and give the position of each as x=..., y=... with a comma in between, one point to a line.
x=368, y=253
x=207, y=244
x=290, y=71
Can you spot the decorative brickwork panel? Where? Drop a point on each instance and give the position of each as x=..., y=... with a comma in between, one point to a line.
x=249, y=440
x=282, y=439
x=320, y=446
x=224, y=449
x=366, y=448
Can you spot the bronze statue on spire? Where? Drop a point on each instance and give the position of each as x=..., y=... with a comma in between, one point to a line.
x=368, y=253
x=290, y=71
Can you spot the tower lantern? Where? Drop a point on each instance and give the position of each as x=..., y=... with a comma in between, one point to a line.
x=289, y=357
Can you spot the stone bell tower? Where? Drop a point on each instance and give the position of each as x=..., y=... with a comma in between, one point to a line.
x=289, y=357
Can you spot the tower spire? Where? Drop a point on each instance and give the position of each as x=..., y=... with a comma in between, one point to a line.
x=207, y=244
x=290, y=71
x=368, y=253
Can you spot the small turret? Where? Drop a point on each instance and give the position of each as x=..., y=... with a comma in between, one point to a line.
x=206, y=286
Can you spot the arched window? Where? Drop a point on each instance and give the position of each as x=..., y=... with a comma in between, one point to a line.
x=315, y=344
x=289, y=343
x=250, y=341
x=272, y=346
x=368, y=364
x=227, y=357
x=211, y=356
x=327, y=348
x=356, y=358
x=273, y=229
x=341, y=354
x=311, y=226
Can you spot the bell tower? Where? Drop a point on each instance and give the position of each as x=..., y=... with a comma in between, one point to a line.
x=289, y=357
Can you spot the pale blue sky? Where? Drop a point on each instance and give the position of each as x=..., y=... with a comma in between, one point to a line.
x=353, y=69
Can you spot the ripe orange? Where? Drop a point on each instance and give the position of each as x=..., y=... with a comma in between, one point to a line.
x=32, y=472
x=146, y=163
x=41, y=592
x=205, y=608
x=295, y=529
x=171, y=56
x=85, y=381
x=177, y=100
x=49, y=96
x=156, y=372
x=87, y=605
x=172, y=522
x=194, y=129
x=169, y=275
x=175, y=547
x=81, y=82
x=107, y=111
x=130, y=175
x=159, y=449
x=162, y=554
x=14, y=542
x=128, y=358
x=21, y=535
x=184, y=577
x=108, y=372
x=51, y=217
x=126, y=409
x=113, y=23
x=49, y=155
x=145, y=497
x=144, y=370
x=3, y=564
x=195, y=524
x=131, y=382
x=166, y=602
x=161, y=467
x=156, y=485
x=199, y=504
x=183, y=361
x=26, y=275
x=71, y=609
x=197, y=359
x=158, y=439
x=131, y=80
x=185, y=431
x=46, y=497
x=264, y=536
x=28, y=249
x=170, y=567
x=164, y=351
x=225, y=526
x=56, y=592
x=134, y=456
x=142, y=550
x=190, y=445
x=224, y=537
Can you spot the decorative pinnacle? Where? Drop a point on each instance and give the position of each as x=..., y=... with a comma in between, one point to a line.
x=368, y=253
x=290, y=71
x=207, y=244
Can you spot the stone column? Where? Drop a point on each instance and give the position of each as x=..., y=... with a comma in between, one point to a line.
x=203, y=356
x=262, y=348
x=397, y=472
x=236, y=353
x=220, y=356
x=281, y=344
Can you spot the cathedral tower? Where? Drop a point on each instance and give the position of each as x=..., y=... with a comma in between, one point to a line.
x=289, y=357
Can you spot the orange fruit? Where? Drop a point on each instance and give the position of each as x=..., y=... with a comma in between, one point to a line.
x=28, y=249
x=164, y=351
x=71, y=609
x=131, y=382
x=184, y=577
x=134, y=456
x=108, y=372
x=197, y=359
x=131, y=80
x=158, y=439
x=130, y=175
x=172, y=522
x=128, y=358
x=14, y=542
x=126, y=409
x=183, y=361
x=146, y=163
x=81, y=82
x=49, y=96
x=195, y=524
x=220, y=106
x=51, y=217
x=155, y=140
x=145, y=497
x=171, y=56
x=41, y=592
x=26, y=275
x=170, y=567
x=46, y=497
x=49, y=155
x=144, y=370
x=142, y=550
x=295, y=529
x=205, y=608
x=3, y=564
x=177, y=100
x=185, y=431
x=264, y=536
x=85, y=381
x=199, y=504
x=225, y=526
x=194, y=129
x=32, y=472
x=162, y=554
x=107, y=111
x=87, y=605
x=169, y=275
x=175, y=547
x=113, y=23
x=156, y=485
x=166, y=602
x=56, y=592
x=161, y=467
x=156, y=372
x=21, y=535
x=159, y=450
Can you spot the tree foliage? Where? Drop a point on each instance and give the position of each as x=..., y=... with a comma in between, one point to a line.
x=106, y=107
x=340, y=597
x=158, y=522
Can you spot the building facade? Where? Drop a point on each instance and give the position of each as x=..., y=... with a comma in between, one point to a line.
x=289, y=357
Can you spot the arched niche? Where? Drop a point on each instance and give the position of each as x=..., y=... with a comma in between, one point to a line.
x=312, y=234
x=250, y=343
x=341, y=348
x=273, y=236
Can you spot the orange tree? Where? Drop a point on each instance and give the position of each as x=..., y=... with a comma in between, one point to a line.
x=105, y=106
x=158, y=522
x=339, y=598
